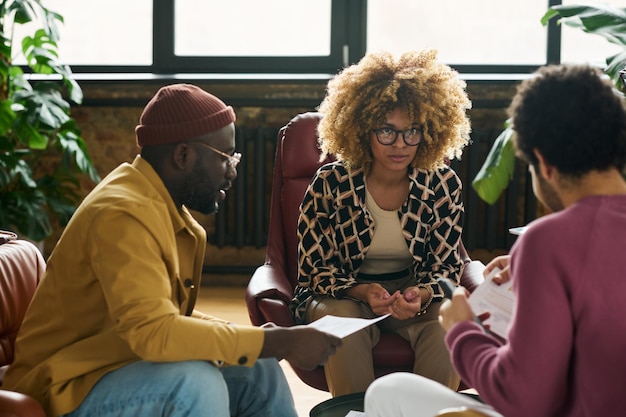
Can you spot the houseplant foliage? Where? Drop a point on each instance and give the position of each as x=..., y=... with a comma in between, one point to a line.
x=42, y=154
x=606, y=21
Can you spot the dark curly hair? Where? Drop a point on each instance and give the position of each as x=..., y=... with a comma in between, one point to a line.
x=361, y=96
x=573, y=116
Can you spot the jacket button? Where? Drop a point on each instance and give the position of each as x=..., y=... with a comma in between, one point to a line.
x=243, y=360
x=189, y=283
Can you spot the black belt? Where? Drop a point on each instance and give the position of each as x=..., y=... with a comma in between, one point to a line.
x=389, y=276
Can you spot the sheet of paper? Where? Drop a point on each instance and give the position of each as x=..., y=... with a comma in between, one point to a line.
x=353, y=413
x=518, y=231
x=497, y=300
x=343, y=326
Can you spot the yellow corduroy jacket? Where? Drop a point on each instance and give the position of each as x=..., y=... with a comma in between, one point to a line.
x=120, y=287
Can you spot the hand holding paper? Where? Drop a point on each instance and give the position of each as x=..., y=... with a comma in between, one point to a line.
x=343, y=326
x=498, y=300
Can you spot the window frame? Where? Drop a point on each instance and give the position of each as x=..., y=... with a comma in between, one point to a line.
x=165, y=61
x=348, y=45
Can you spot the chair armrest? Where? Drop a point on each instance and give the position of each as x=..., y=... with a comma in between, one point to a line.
x=472, y=275
x=276, y=311
x=268, y=295
x=14, y=404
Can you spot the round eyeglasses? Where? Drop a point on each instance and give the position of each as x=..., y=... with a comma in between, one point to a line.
x=233, y=160
x=388, y=135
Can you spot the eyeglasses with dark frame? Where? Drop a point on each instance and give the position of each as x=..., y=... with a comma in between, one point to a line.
x=233, y=160
x=387, y=135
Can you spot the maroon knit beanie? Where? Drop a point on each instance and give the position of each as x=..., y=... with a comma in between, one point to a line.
x=181, y=111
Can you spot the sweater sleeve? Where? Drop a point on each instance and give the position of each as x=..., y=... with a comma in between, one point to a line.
x=534, y=362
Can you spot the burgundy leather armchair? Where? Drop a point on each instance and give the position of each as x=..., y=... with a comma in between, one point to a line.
x=271, y=287
x=21, y=268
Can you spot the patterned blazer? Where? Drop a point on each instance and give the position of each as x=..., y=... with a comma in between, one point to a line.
x=335, y=230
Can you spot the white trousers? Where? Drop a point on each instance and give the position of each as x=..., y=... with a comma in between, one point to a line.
x=403, y=394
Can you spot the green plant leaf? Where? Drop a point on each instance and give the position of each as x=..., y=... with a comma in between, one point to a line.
x=40, y=50
x=53, y=109
x=75, y=151
x=61, y=192
x=24, y=211
x=35, y=220
x=74, y=90
x=497, y=170
x=603, y=20
x=23, y=172
x=8, y=161
x=30, y=134
x=5, y=178
x=18, y=80
x=51, y=20
x=44, y=104
x=614, y=64
x=5, y=53
x=23, y=11
x=7, y=116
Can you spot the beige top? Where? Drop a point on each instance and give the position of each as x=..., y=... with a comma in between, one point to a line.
x=389, y=251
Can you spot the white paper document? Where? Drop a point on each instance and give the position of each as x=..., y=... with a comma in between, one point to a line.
x=343, y=326
x=353, y=413
x=518, y=231
x=497, y=300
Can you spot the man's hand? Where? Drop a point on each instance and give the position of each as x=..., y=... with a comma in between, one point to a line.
x=302, y=346
x=456, y=310
x=502, y=263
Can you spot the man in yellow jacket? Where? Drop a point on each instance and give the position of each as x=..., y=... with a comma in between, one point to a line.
x=112, y=330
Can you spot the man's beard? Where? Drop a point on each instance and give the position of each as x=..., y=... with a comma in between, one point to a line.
x=200, y=193
x=548, y=195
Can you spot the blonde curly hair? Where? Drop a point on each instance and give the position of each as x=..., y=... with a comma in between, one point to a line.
x=359, y=98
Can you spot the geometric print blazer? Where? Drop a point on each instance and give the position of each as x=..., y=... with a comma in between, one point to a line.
x=335, y=230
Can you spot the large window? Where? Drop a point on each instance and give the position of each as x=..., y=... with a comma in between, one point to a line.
x=313, y=36
x=250, y=35
x=483, y=35
x=294, y=28
x=477, y=32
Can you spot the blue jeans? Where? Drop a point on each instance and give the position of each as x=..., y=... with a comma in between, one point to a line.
x=192, y=388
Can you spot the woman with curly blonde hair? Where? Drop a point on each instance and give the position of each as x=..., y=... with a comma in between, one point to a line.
x=361, y=97
x=383, y=223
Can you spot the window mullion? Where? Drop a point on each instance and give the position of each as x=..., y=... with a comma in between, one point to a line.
x=162, y=35
x=553, y=49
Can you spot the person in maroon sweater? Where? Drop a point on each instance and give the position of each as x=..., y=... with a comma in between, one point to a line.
x=564, y=355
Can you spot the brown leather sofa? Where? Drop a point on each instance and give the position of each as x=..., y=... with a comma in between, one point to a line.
x=21, y=269
x=271, y=287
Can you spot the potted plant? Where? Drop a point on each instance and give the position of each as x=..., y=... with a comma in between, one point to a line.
x=606, y=21
x=42, y=154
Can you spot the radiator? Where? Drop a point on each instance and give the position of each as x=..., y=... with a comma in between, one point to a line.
x=243, y=217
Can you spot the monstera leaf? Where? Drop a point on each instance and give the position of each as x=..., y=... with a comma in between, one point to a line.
x=497, y=171
x=602, y=20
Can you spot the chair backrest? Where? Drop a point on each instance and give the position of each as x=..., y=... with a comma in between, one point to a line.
x=297, y=160
x=21, y=268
